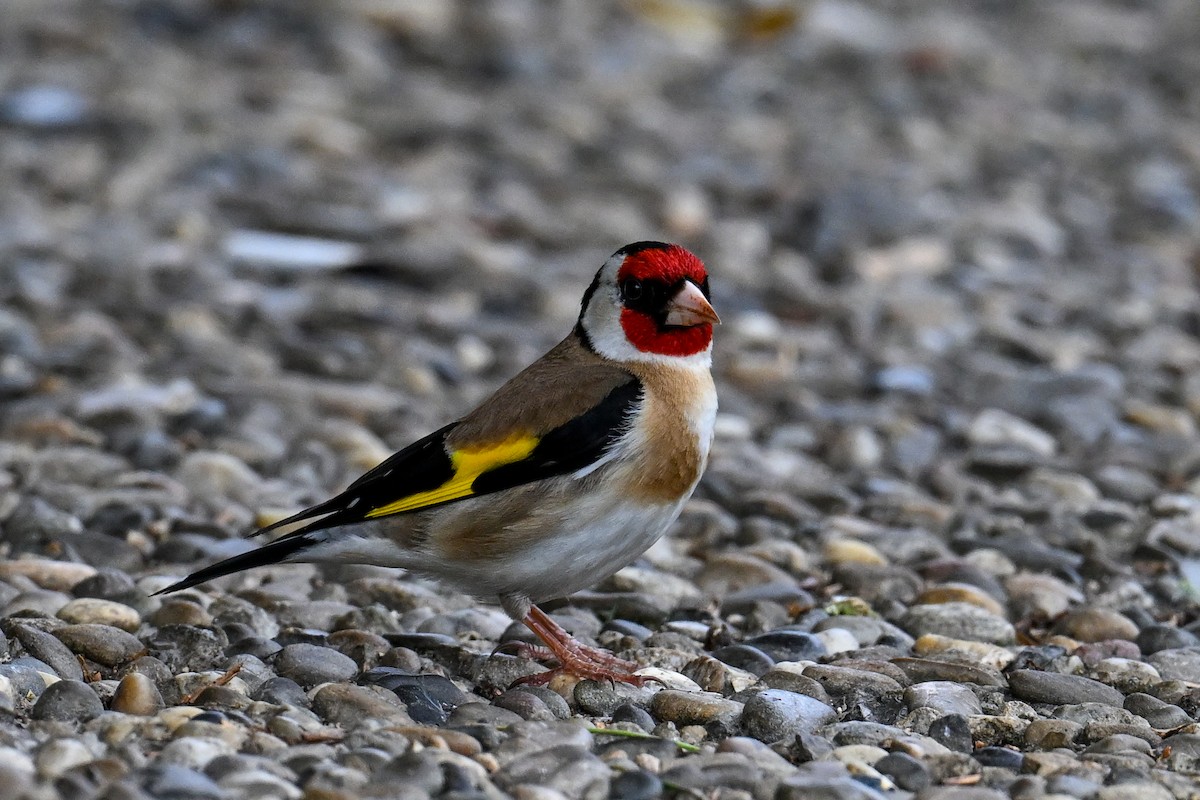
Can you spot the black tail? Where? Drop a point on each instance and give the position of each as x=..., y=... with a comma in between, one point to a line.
x=272, y=553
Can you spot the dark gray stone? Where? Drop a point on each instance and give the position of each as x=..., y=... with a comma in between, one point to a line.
x=68, y=701
x=429, y=698
x=905, y=771
x=775, y=714
x=102, y=644
x=309, y=664
x=49, y=649
x=1034, y=686
x=788, y=645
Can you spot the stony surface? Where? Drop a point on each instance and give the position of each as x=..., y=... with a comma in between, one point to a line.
x=948, y=545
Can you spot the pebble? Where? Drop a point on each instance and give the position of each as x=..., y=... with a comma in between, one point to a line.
x=1050, y=687
x=568, y=769
x=59, y=576
x=790, y=677
x=693, y=708
x=837, y=640
x=49, y=649
x=636, y=784
x=416, y=769
x=344, y=704
x=953, y=731
x=286, y=252
x=865, y=630
x=864, y=685
x=944, y=697
x=1052, y=734
x=174, y=780
x=745, y=657
x=259, y=783
x=785, y=645
x=44, y=107
x=35, y=524
x=109, y=584
x=281, y=691
x=136, y=694
x=310, y=665
x=1160, y=715
x=103, y=644
x=842, y=551
x=180, y=612
x=996, y=427
x=959, y=593
x=1178, y=664
x=919, y=670
x=429, y=698
x=959, y=621
x=1096, y=625
x=803, y=787
x=1125, y=674
x=906, y=772
x=1154, y=638
x=68, y=701
x=530, y=705
x=1032, y=594
x=775, y=714
x=1143, y=790
x=86, y=610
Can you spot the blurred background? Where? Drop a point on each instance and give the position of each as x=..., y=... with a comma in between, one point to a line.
x=247, y=249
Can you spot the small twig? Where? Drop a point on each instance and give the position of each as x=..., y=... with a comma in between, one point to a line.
x=684, y=746
x=963, y=780
x=229, y=674
x=89, y=675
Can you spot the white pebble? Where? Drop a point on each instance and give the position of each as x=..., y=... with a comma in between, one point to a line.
x=288, y=252
x=995, y=427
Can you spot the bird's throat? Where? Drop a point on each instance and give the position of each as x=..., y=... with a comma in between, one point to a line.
x=644, y=333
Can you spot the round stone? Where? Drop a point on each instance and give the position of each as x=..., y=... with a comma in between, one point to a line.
x=775, y=714
x=958, y=620
x=103, y=644
x=1035, y=686
x=944, y=697
x=49, y=650
x=692, y=708
x=68, y=701
x=1096, y=625
x=102, y=612
x=136, y=694
x=310, y=664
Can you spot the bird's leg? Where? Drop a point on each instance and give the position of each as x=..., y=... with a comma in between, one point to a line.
x=575, y=657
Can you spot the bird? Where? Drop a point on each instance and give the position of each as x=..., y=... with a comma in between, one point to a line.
x=566, y=474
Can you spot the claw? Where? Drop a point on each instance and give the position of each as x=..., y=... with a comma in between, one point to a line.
x=573, y=657
x=523, y=650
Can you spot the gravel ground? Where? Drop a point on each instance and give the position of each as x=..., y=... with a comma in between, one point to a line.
x=948, y=546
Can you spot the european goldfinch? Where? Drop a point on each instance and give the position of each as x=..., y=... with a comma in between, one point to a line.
x=566, y=474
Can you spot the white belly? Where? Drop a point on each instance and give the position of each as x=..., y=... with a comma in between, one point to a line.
x=581, y=555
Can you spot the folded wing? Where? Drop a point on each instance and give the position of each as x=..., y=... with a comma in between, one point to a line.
x=444, y=468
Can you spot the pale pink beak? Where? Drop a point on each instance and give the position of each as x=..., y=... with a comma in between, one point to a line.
x=690, y=307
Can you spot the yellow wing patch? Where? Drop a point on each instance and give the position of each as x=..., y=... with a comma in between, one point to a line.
x=469, y=463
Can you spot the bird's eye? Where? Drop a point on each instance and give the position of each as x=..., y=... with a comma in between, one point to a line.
x=631, y=289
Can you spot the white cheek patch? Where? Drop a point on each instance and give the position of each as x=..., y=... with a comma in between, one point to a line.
x=602, y=323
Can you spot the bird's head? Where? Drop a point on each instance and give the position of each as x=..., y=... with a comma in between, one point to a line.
x=649, y=302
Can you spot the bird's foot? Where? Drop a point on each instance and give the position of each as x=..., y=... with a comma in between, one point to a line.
x=573, y=657
x=589, y=663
